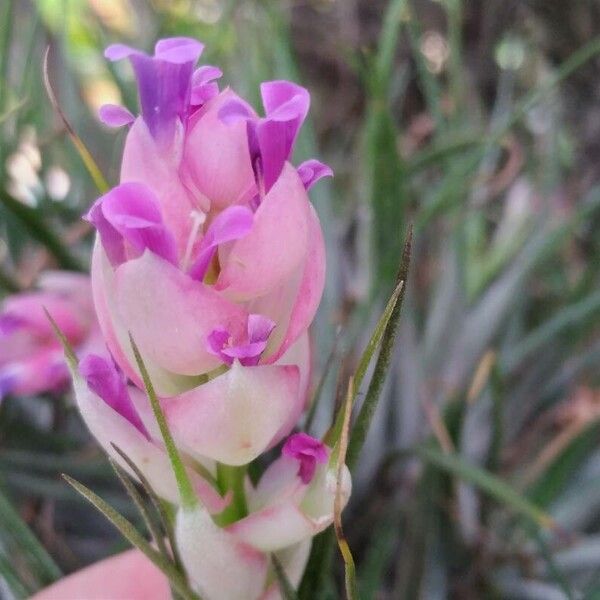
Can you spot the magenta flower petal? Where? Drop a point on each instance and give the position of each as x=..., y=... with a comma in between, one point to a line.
x=146, y=162
x=308, y=451
x=178, y=50
x=105, y=379
x=114, y=115
x=116, y=52
x=129, y=214
x=248, y=351
x=164, y=82
x=204, y=87
x=312, y=170
x=259, y=328
x=286, y=106
x=232, y=224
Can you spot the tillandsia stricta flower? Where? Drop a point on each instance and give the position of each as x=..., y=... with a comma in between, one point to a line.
x=31, y=358
x=210, y=254
x=208, y=268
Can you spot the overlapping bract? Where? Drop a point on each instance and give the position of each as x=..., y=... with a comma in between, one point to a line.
x=211, y=257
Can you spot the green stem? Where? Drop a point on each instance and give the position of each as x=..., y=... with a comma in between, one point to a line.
x=232, y=479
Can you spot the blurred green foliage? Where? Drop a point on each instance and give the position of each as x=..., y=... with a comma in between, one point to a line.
x=481, y=474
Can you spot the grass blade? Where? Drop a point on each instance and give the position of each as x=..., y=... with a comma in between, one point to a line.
x=332, y=436
x=130, y=533
x=498, y=489
x=365, y=416
x=139, y=503
x=156, y=502
x=188, y=497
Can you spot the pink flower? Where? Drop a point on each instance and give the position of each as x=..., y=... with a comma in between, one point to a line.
x=209, y=250
x=31, y=357
x=286, y=510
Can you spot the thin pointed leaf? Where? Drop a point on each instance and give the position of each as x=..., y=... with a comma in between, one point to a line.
x=139, y=503
x=130, y=533
x=186, y=491
x=365, y=416
x=68, y=349
x=156, y=502
x=332, y=436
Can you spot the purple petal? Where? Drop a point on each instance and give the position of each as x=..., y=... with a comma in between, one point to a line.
x=247, y=354
x=308, y=451
x=248, y=351
x=286, y=106
x=312, y=170
x=119, y=51
x=232, y=224
x=114, y=115
x=205, y=74
x=178, y=50
x=105, y=380
x=234, y=110
x=164, y=82
x=204, y=88
x=216, y=341
x=259, y=328
x=276, y=94
x=130, y=213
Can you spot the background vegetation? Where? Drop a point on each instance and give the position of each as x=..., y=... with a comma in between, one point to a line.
x=476, y=122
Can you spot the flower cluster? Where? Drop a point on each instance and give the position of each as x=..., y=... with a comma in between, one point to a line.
x=31, y=357
x=211, y=257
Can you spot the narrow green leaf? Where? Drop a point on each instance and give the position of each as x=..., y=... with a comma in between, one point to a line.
x=285, y=587
x=498, y=489
x=36, y=556
x=159, y=507
x=388, y=40
x=130, y=533
x=333, y=435
x=70, y=355
x=186, y=491
x=139, y=503
x=365, y=416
